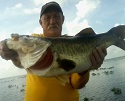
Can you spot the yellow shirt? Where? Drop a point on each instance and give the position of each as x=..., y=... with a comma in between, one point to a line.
x=49, y=89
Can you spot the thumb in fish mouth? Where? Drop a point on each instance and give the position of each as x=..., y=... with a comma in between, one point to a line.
x=66, y=64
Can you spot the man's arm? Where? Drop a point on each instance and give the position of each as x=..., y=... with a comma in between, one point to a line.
x=78, y=81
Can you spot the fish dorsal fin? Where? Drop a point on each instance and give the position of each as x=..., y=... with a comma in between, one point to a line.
x=86, y=32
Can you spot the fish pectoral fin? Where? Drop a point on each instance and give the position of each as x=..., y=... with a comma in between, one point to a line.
x=63, y=79
x=66, y=64
x=120, y=44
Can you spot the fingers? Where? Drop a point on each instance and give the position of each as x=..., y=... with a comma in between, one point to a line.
x=104, y=50
x=5, y=52
x=97, y=57
x=8, y=55
x=3, y=45
x=3, y=49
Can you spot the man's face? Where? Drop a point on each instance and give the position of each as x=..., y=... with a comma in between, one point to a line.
x=51, y=23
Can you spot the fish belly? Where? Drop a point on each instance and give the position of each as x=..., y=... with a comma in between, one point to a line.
x=54, y=69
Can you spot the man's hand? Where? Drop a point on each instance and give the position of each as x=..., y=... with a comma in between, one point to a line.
x=97, y=57
x=6, y=53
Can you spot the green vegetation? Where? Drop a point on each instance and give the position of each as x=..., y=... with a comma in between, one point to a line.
x=86, y=99
x=116, y=90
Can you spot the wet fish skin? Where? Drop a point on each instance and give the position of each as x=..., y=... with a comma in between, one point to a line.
x=72, y=52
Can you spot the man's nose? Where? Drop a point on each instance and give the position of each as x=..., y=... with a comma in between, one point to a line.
x=52, y=20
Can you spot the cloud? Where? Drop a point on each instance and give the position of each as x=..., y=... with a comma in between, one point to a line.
x=18, y=5
x=75, y=26
x=39, y=2
x=117, y=24
x=38, y=30
x=11, y=11
x=32, y=11
x=4, y=35
x=19, y=9
x=99, y=22
x=84, y=8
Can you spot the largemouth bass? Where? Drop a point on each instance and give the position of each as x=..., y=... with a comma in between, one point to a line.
x=62, y=55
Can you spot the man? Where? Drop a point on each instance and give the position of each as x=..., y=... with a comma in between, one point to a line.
x=49, y=89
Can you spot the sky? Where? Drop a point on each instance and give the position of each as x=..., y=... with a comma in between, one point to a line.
x=22, y=17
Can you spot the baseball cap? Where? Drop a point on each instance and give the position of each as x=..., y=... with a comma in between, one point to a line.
x=50, y=6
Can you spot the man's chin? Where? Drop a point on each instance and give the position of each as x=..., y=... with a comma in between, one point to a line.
x=54, y=33
x=54, y=30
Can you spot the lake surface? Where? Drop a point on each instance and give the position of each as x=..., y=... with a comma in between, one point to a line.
x=110, y=75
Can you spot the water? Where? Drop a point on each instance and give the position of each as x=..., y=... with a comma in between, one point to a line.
x=111, y=74
x=12, y=89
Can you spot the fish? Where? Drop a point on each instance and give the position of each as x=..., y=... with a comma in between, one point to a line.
x=61, y=56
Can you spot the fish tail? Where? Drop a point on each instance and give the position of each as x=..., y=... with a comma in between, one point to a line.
x=119, y=31
x=120, y=44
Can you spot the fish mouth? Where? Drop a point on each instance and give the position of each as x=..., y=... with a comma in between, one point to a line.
x=45, y=60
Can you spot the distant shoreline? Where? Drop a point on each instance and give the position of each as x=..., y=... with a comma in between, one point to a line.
x=20, y=76
x=115, y=58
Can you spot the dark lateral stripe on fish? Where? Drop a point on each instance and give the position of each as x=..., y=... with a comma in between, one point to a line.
x=66, y=64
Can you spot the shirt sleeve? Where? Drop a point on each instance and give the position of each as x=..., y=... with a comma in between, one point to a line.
x=79, y=81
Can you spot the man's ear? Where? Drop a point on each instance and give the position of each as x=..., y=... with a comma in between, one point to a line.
x=63, y=18
x=40, y=22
